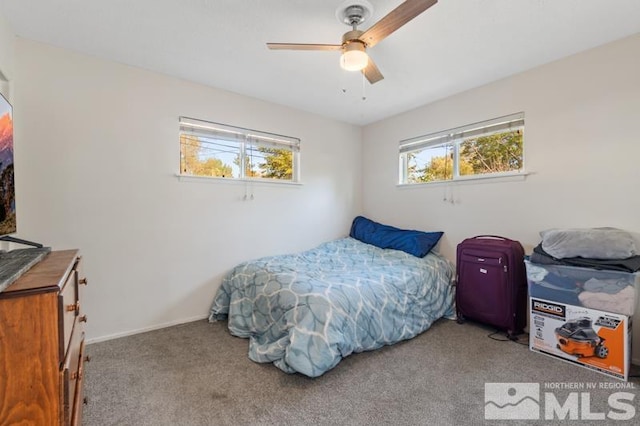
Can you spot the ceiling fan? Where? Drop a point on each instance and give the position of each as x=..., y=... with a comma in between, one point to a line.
x=355, y=42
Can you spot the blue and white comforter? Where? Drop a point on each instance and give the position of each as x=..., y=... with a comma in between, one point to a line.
x=305, y=312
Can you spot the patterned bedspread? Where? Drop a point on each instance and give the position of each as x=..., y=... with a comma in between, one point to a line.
x=305, y=312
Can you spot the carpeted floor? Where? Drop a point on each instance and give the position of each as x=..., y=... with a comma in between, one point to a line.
x=198, y=374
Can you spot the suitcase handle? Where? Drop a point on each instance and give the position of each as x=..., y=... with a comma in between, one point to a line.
x=492, y=236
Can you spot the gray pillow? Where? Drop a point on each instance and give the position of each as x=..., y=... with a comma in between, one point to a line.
x=592, y=243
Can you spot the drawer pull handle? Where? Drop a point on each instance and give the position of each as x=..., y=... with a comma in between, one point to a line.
x=83, y=318
x=87, y=358
x=83, y=281
x=73, y=308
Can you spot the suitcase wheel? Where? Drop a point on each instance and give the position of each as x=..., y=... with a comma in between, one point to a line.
x=460, y=319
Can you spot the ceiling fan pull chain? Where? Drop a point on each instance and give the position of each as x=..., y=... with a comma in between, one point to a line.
x=364, y=88
x=343, y=81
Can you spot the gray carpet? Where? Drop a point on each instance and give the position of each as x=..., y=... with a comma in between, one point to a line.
x=198, y=374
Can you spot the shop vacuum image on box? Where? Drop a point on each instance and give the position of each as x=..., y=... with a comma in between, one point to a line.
x=577, y=337
x=492, y=283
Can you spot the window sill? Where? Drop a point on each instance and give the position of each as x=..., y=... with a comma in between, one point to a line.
x=506, y=177
x=234, y=181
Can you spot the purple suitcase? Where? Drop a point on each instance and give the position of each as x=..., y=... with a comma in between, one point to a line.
x=492, y=283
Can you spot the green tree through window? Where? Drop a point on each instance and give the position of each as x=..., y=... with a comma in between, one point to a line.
x=278, y=163
x=500, y=152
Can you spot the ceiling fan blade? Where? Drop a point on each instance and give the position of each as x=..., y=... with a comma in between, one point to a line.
x=303, y=46
x=394, y=20
x=371, y=72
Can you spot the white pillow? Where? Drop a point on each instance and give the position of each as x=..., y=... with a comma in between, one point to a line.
x=591, y=243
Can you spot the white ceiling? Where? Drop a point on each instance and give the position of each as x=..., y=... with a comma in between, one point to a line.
x=454, y=46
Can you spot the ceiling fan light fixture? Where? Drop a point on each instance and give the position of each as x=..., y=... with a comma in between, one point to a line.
x=354, y=57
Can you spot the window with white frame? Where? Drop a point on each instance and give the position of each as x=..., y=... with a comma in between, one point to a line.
x=486, y=149
x=219, y=150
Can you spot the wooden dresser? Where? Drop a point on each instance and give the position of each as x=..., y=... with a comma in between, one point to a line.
x=42, y=344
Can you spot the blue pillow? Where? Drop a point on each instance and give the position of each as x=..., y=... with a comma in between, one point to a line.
x=417, y=243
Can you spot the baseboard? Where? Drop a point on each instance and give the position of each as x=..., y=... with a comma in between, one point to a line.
x=145, y=329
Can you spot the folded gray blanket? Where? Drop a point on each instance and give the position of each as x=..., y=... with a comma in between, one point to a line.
x=590, y=243
x=631, y=264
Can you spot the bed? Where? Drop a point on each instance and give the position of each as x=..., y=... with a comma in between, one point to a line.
x=305, y=312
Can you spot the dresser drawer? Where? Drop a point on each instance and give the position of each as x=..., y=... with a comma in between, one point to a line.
x=69, y=310
x=82, y=284
x=78, y=397
x=71, y=372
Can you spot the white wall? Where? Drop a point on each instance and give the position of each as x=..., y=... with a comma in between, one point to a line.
x=96, y=153
x=7, y=45
x=581, y=146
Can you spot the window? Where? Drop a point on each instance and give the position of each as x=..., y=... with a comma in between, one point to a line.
x=217, y=150
x=486, y=149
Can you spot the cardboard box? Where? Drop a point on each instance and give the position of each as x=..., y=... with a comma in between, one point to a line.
x=591, y=338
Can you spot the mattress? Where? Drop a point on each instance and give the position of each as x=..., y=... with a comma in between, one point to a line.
x=304, y=312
